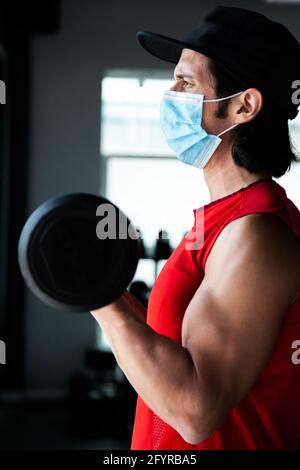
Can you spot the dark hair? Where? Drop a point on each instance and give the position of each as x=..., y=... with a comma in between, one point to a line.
x=263, y=144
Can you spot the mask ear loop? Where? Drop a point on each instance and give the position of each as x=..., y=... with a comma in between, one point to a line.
x=227, y=130
x=222, y=99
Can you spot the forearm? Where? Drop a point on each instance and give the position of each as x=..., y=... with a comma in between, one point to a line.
x=160, y=370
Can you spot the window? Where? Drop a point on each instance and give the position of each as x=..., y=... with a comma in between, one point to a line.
x=130, y=117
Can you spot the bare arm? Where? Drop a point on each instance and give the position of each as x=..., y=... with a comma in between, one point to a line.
x=248, y=285
x=147, y=359
x=232, y=323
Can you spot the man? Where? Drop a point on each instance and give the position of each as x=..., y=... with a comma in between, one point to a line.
x=213, y=364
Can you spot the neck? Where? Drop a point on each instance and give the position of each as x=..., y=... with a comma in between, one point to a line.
x=223, y=177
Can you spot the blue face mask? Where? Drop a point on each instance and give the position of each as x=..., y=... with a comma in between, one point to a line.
x=181, y=123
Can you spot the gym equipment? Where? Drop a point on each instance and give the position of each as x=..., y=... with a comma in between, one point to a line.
x=163, y=248
x=63, y=260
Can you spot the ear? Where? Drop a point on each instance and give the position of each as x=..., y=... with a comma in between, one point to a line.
x=247, y=105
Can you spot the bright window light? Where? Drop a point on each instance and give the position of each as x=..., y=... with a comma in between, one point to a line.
x=130, y=117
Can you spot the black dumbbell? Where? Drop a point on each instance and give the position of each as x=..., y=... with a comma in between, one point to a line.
x=78, y=252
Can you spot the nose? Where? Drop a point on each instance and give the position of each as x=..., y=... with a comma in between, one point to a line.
x=177, y=86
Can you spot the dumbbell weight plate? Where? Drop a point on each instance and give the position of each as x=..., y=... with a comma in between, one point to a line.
x=63, y=261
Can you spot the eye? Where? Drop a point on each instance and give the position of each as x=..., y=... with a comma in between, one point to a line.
x=186, y=84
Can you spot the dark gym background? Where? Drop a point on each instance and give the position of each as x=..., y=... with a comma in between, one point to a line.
x=57, y=391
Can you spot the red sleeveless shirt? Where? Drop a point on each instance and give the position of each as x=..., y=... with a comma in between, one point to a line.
x=268, y=417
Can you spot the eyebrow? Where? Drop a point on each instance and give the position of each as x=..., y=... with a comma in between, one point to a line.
x=183, y=75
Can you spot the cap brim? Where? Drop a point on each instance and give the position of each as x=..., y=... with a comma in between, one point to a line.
x=163, y=47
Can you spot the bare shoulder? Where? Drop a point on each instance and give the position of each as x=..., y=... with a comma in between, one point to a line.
x=263, y=240
x=262, y=223
x=259, y=231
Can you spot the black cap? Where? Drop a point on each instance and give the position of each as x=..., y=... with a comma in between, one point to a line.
x=260, y=52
